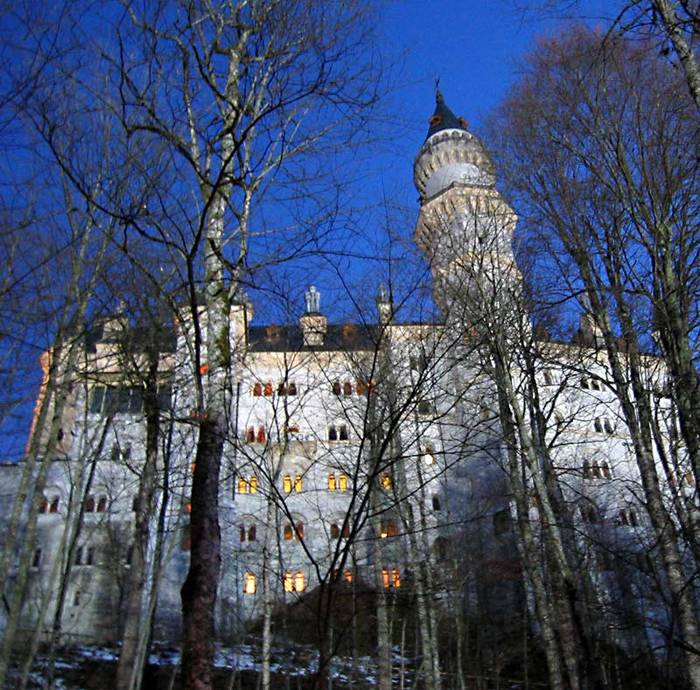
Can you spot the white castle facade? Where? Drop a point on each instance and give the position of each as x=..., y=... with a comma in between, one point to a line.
x=370, y=455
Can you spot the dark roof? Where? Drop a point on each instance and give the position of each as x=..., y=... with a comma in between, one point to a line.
x=342, y=337
x=443, y=117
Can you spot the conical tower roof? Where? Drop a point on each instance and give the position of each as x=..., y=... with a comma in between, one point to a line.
x=443, y=117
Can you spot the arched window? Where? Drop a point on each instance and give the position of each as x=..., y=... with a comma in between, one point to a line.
x=386, y=481
x=257, y=390
x=335, y=531
x=253, y=484
x=361, y=387
x=584, y=383
x=428, y=456
x=249, y=583
x=252, y=533
x=299, y=582
x=287, y=484
x=268, y=389
x=597, y=424
x=336, y=387
x=395, y=578
x=347, y=389
x=292, y=390
x=300, y=530
x=281, y=388
x=242, y=485
x=332, y=433
x=606, y=470
x=90, y=504
x=288, y=582
x=298, y=483
x=436, y=503
x=342, y=483
x=44, y=505
x=54, y=504
x=261, y=434
x=288, y=532
x=331, y=482
x=385, y=578
x=343, y=432
x=633, y=517
x=346, y=531
x=250, y=435
x=102, y=504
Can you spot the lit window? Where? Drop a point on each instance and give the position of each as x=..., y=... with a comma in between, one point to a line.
x=299, y=582
x=250, y=583
x=342, y=483
x=288, y=582
x=253, y=484
x=268, y=389
x=242, y=486
x=288, y=532
x=347, y=576
x=395, y=578
x=361, y=388
x=300, y=530
x=250, y=435
x=386, y=481
x=428, y=456
x=385, y=578
x=387, y=528
x=331, y=482
x=261, y=434
x=257, y=390
x=298, y=483
x=287, y=484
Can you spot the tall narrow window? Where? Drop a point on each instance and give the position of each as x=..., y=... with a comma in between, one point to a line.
x=102, y=504
x=346, y=531
x=242, y=485
x=44, y=505
x=299, y=582
x=90, y=557
x=608, y=426
x=252, y=533
x=436, y=503
x=606, y=470
x=347, y=389
x=36, y=558
x=428, y=457
x=584, y=383
x=395, y=578
x=268, y=389
x=298, y=483
x=361, y=387
x=288, y=532
x=331, y=482
x=300, y=530
x=386, y=481
x=281, y=388
x=250, y=435
x=597, y=424
x=332, y=433
x=385, y=578
x=249, y=583
x=257, y=390
x=79, y=556
x=54, y=504
x=342, y=483
x=287, y=483
x=335, y=531
x=292, y=390
x=261, y=434
x=242, y=533
x=343, y=432
x=253, y=484
x=288, y=582
x=336, y=388
x=90, y=504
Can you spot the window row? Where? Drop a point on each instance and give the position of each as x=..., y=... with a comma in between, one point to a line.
x=291, y=582
x=339, y=433
x=348, y=388
x=596, y=470
x=293, y=532
x=601, y=424
x=337, y=482
x=93, y=505
x=627, y=517
x=122, y=399
x=266, y=389
x=253, y=436
x=590, y=384
x=391, y=578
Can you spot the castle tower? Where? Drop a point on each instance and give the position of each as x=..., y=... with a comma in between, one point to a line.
x=465, y=227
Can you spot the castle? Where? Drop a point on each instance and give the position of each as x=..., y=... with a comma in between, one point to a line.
x=368, y=455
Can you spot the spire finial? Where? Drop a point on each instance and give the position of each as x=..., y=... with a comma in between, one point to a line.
x=438, y=94
x=313, y=300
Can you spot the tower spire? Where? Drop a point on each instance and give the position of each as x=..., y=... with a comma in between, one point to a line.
x=443, y=117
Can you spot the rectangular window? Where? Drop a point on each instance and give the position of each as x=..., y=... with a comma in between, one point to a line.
x=250, y=583
x=98, y=395
x=36, y=558
x=342, y=483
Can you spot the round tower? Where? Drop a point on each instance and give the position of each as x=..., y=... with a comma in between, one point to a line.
x=464, y=227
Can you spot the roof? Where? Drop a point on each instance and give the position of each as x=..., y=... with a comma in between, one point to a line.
x=443, y=117
x=346, y=337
